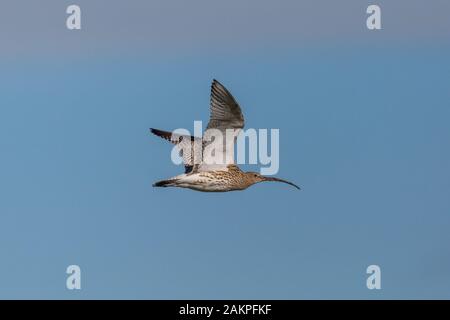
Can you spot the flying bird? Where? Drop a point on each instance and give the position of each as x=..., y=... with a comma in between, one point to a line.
x=201, y=175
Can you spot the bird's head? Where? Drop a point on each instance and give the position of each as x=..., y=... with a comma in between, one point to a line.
x=255, y=177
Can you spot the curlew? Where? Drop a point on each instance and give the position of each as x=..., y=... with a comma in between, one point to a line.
x=201, y=175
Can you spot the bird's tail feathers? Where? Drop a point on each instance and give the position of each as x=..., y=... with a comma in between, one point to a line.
x=165, y=183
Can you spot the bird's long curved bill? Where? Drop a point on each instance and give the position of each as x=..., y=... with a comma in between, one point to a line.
x=281, y=180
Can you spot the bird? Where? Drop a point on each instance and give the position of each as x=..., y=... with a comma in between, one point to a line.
x=200, y=174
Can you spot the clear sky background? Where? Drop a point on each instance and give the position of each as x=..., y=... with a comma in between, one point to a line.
x=364, y=129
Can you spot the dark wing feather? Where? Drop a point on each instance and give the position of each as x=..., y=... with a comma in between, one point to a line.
x=169, y=136
x=183, y=142
x=225, y=111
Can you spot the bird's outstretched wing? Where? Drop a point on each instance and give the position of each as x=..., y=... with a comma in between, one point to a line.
x=225, y=114
x=213, y=153
x=225, y=111
x=186, y=146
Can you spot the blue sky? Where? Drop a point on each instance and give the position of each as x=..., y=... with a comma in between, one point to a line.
x=363, y=128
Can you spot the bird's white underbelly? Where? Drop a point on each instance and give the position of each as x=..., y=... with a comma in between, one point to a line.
x=201, y=183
